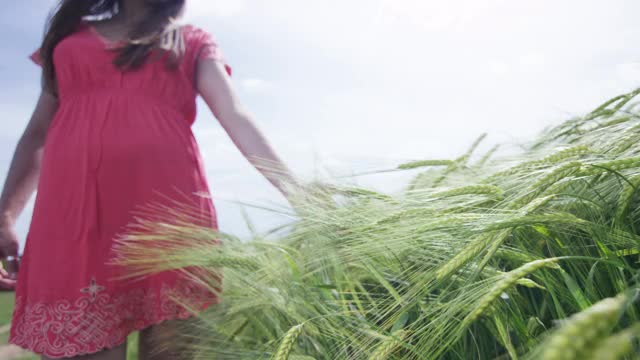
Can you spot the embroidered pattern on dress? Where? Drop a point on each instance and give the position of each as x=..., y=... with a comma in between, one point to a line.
x=97, y=320
x=92, y=289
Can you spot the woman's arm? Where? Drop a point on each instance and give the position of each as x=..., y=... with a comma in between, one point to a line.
x=214, y=86
x=24, y=171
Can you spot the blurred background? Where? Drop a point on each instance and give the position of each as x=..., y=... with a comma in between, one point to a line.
x=341, y=87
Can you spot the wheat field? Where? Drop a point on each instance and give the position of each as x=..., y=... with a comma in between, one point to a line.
x=531, y=255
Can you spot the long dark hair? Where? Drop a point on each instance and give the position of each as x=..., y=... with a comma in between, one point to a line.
x=155, y=31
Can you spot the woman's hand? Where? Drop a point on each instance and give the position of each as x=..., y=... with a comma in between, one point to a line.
x=8, y=241
x=7, y=282
x=8, y=247
x=296, y=192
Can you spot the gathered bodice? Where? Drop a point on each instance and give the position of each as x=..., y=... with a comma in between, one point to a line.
x=83, y=63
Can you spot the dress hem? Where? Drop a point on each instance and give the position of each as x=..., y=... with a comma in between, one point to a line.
x=180, y=316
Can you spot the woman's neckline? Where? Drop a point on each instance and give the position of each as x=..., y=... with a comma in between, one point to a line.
x=106, y=41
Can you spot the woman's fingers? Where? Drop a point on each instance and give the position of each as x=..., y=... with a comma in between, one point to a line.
x=3, y=272
x=8, y=242
x=6, y=283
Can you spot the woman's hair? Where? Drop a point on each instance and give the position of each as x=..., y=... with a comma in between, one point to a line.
x=154, y=31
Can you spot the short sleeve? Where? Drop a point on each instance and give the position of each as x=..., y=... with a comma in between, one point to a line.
x=36, y=58
x=206, y=47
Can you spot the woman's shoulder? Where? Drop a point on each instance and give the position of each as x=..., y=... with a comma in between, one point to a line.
x=201, y=44
x=195, y=35
x=189, y=28
x=65, y=43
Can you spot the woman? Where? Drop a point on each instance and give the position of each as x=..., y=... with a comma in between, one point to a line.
x=113, y=127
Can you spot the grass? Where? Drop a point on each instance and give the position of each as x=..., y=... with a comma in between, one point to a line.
x=6, y=309
x=531, y=255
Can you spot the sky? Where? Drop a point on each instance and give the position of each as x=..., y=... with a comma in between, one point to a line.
x=340, y=87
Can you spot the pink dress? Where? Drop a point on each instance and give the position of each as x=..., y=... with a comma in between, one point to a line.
x=118, y=141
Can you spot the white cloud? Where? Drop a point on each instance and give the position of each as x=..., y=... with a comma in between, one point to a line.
x=430, y=16
x=499, y=67
x=629, y=72
x=214, y=8
x=255, y=85
x=532, y=60
x=402, y=78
